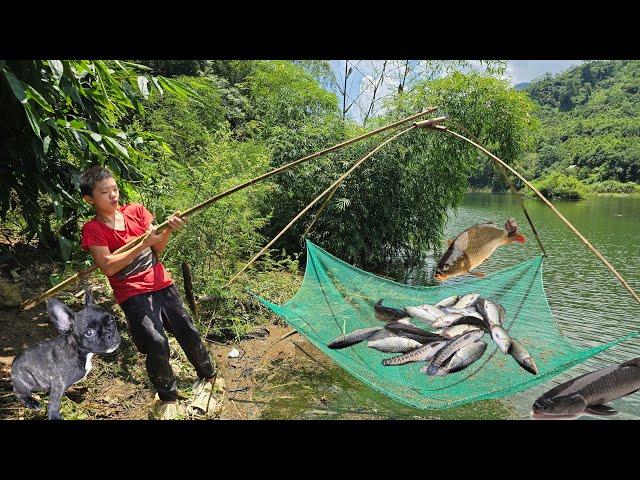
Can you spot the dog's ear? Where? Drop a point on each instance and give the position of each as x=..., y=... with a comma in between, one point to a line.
x=88, y=297
x=61, y=315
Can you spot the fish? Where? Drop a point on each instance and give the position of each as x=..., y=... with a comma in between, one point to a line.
x=522, y=356
x=466, y=301
x=426, y=313
x=501, y=337
x=473, y=246
x=387, y=314
x=413, y=332
x=492, y=312
x=380, y=335
x=354, y=337
x=475, y=321
x=467, y=312
x=446, y=320
x=463, y=358
x=457, y=330
x=587, y=394
x=421, y=354
x=448, y=302
x=394, y=344
x=449, y=349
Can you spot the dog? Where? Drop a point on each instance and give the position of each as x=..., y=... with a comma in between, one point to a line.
x=54, y=365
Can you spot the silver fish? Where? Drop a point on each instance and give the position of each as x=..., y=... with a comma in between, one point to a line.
x=466, y=300
x=490, y=311
x=354, y=337
x=501, y=337
x=446, y=320
x=522, y=356
x=457, y=330
x=380, y=335
x=394, y=344
x=587, y=394
x=387, y=314
x=428, y=315
x=468, y=312
x=463, y=358
x=424, y=353
x=448, y=302
x=475, y=321
x=449, y=349
x=413, y=332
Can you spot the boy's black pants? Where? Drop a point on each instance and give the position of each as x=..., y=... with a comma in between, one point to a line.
x=146, y=314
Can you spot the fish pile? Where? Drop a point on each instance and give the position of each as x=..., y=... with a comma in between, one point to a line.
x=461, y=322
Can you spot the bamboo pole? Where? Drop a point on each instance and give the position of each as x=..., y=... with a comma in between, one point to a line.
x=315, y=200
x=83, y=274
x=551, y=206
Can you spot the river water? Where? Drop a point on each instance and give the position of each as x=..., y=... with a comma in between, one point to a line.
x=588, y=303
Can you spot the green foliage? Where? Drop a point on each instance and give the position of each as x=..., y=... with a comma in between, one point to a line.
x=207, y=158
x=175, y=68
x=395, y=206
x=591, y=121
x=613, y=186
x=57, y=118
x=559, y=185
x=295, y=117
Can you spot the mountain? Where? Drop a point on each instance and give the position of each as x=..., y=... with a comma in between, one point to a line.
x=590, y=116
x=522, y=86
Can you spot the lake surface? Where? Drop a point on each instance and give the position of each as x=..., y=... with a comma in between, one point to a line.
x=589, y=304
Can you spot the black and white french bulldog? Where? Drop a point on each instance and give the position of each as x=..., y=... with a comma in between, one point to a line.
x=54, y=365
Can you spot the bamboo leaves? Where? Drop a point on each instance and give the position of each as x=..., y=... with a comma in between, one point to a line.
x=65, y=115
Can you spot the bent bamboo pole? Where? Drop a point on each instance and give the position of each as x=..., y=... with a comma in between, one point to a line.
x=315, y=200
x=552, y=207
x=82, y=274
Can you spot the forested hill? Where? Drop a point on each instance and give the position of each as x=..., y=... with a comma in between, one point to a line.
x=590, y=119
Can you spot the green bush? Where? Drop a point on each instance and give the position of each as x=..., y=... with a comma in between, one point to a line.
x=559, y=185
x=613, y=186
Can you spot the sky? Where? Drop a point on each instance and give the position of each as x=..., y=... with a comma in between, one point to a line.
x=518, y=71
x=526, y=70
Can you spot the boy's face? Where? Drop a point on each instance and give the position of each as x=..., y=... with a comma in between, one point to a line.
x=105, y=195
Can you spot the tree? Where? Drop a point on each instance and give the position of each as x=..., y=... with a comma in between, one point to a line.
x=58, y=117
x=380, y=80
x=395, y=207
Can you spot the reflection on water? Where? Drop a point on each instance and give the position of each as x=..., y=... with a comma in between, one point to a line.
x=589, y=304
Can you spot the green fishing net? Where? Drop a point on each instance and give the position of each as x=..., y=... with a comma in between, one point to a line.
x=337, y=298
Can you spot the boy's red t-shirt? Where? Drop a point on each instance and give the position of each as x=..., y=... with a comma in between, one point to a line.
x=145, y=273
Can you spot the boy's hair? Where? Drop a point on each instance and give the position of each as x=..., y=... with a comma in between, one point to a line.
x=91, y=176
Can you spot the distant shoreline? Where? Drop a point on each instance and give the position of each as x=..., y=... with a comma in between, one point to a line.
x=592, y=194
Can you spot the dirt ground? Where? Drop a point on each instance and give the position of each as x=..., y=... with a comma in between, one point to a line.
x=128, y=395
x=117, y=386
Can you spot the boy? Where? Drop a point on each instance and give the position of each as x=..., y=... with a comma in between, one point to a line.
x=142, y=286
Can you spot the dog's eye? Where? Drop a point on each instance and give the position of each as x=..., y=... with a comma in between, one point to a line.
x=90, y=333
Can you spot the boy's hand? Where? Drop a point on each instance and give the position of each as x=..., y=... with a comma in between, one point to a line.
x=155, y=237
x=175, y=222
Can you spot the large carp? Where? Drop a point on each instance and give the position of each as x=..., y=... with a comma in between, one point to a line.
x=474, y=246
